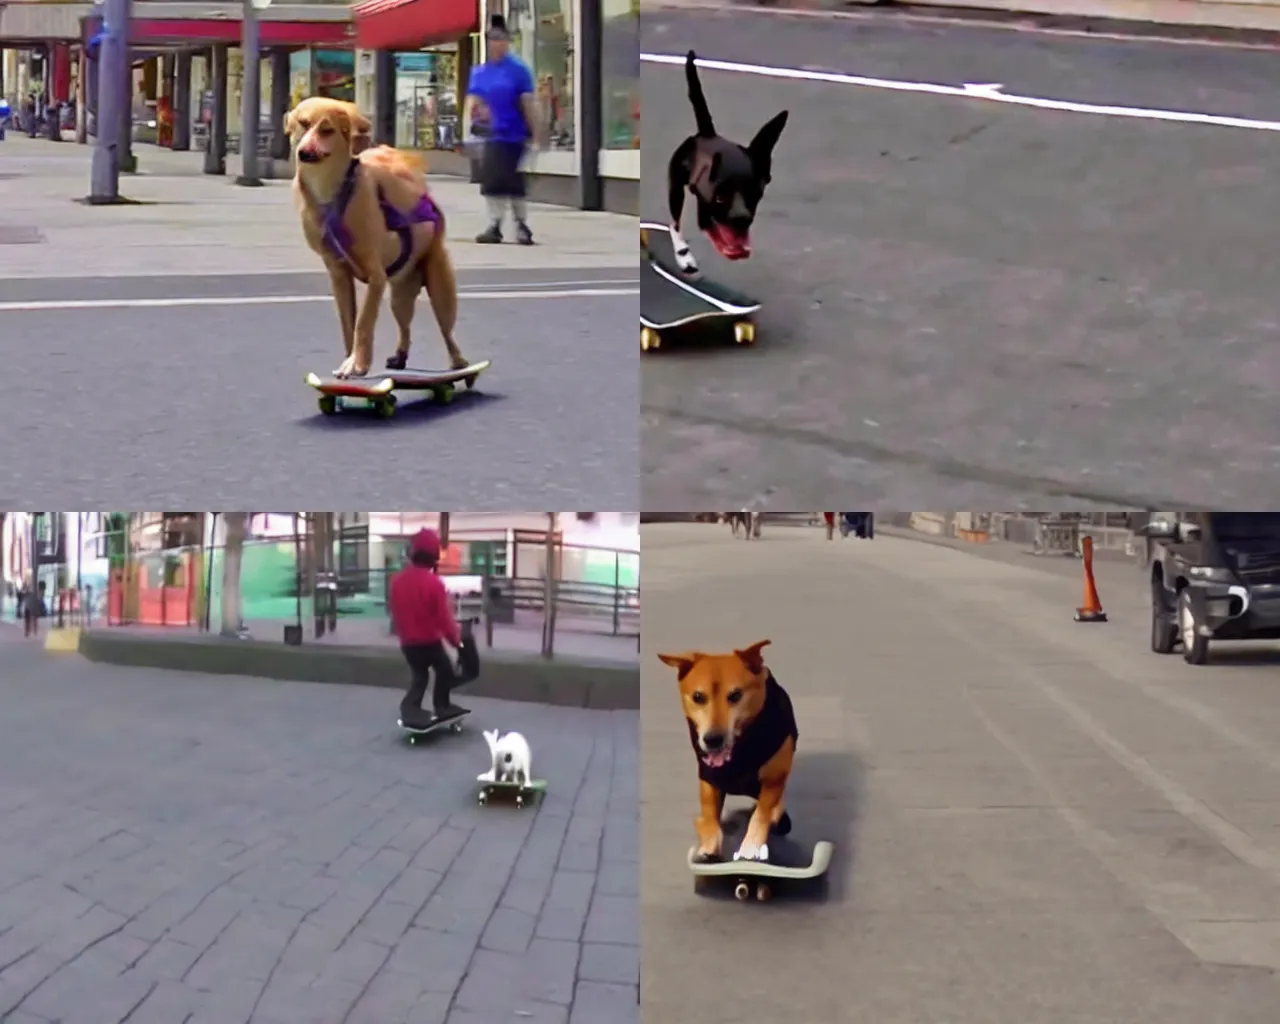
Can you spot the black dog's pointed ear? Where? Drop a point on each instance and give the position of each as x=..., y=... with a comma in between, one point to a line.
x=760, y=149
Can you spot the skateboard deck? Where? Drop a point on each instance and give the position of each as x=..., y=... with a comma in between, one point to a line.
x=788, y=863
x=520, y=792
x=451, y=722
x=670, y=299
x=376, y=390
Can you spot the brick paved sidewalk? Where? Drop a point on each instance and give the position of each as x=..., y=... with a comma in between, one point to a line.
x=178, y=848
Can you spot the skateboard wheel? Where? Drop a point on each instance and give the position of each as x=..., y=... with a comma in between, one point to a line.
x=413, y=740
x=484, y=798
x=741, y=891
x=443, y=395
x=456, y=727
x=763, y=892
x=328, y=404
x=385, y=407
x=519, y=801
x=649, y=340
x=744, y=333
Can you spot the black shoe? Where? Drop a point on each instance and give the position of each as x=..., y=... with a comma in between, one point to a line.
x=523, y=235
x=783, y=826
x=398, y=361
x=450, y=710
x=415, y=718
x=492, y=235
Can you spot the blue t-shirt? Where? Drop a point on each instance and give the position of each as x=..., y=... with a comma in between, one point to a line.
x=500, y=84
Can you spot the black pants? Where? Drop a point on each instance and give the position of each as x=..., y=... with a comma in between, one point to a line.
x=424, y=661
x=500, y=174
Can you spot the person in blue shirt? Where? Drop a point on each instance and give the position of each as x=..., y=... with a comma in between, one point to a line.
x=503, y=112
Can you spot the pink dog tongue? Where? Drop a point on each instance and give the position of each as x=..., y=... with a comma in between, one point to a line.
x=716, y=760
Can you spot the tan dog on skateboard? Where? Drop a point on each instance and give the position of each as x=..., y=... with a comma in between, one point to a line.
x=366, y=211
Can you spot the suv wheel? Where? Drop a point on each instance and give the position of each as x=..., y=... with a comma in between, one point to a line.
x=1164, y=628
x=1195, y=648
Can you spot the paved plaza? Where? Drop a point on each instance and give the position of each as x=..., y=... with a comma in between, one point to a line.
x=185, y=849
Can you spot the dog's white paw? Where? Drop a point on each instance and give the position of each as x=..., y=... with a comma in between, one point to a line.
x=749, y=851
x=686, y=262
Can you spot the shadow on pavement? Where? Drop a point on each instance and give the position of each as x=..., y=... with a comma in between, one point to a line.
x=825, y=798
x=410, y=412
x=1242, y=656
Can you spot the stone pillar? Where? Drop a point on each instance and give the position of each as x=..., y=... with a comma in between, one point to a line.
x=215, y=156
x=182, y=101
x=279, y=103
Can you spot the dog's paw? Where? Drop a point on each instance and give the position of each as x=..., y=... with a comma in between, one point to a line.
x=749, y=851
x=706, y=858
x=686, y=262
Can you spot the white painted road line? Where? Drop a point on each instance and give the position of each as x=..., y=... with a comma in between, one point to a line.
x=282, y=300
x=989, y=93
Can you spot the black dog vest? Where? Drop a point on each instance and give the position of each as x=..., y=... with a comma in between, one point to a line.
x=752, y=750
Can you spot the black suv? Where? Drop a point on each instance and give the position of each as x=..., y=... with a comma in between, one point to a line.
x=1214, y=576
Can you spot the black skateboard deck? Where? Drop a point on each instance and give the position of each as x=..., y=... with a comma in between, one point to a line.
x=671, y=300
x=376, y=390
x=521, y=792
x=790, y=863
x=451, y=722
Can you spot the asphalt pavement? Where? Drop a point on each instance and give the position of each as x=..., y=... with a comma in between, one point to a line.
x=178, y=848
x=146, y=390
x=971, y=303
x=1036, y=821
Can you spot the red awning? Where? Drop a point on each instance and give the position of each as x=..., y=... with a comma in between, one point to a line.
x=412, y=24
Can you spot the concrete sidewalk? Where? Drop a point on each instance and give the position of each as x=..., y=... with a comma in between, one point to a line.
x=193, y=223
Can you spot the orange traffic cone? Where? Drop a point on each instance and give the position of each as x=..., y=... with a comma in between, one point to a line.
x=1091, y=610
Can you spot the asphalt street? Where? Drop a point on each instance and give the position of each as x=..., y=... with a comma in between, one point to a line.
x=132, y=390
x=1036, y=821
x=970, y=303
x=180, y=848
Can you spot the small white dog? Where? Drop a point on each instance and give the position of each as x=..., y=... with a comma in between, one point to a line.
x=512, y=761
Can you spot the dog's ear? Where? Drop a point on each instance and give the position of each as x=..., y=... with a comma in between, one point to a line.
x=682, y=663
x=751, y=656
x=760, y=149
x=289, y=123
x=361, y=125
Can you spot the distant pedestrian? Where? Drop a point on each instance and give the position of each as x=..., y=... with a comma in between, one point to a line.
x=504, y=113
x=6, y=116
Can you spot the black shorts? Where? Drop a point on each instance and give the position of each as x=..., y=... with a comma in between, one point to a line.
x=500, y=175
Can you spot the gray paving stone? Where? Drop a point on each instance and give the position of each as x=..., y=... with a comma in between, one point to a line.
x=214, y=848
x=598, y=1003
x=618, y=965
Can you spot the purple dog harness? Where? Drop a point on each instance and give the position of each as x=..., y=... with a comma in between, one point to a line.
x=338, y=237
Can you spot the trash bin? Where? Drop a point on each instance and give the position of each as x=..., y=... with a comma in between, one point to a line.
x=499, y=602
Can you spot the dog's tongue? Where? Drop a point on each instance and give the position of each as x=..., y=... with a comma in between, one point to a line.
x=730, y=245
x=716, y=760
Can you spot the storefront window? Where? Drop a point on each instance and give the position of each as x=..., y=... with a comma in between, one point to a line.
x=620, y=73
x=427, y=99
x=299, y=77
x=542, y=36
x=335, y=74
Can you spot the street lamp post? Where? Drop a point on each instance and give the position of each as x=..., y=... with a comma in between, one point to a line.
x=250, y=93
x=112, y=43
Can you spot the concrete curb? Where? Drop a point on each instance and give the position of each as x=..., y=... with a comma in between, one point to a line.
x=600, y=685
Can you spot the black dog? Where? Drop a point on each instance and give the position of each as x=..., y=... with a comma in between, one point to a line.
x=727, y=180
